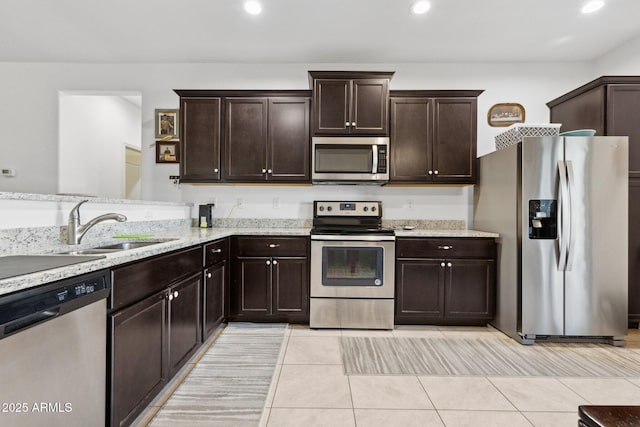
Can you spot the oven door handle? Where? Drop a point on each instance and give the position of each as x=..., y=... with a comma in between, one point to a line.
x=365, y=238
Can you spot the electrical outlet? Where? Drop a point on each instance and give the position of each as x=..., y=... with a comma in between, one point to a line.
x=240, y=203
x=410, y=204
x=276, y=203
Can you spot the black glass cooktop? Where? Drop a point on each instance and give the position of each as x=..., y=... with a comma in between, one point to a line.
x=17, y=265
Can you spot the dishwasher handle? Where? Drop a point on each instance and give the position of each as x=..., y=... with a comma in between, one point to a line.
x=30, y=320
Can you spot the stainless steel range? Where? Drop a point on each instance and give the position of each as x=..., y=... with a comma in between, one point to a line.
x=352, y=267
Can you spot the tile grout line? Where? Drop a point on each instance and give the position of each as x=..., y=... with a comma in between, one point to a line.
x=264, y=419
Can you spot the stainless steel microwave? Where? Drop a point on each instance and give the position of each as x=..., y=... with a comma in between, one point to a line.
x=350, y=160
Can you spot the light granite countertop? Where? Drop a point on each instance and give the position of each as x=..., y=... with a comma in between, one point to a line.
x=444, y=233
x=180, y=239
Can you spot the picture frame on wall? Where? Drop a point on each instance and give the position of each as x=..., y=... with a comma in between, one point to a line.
x=167, y=124
x=167, y=152
x=505, y=114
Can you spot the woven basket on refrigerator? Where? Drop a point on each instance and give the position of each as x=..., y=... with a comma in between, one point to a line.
x=517, y=131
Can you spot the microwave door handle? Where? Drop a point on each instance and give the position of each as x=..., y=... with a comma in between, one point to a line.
x=374, y=168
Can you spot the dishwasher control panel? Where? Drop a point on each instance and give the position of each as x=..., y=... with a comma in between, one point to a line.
x=23, y=309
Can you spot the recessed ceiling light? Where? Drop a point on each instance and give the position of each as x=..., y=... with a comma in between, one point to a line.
x=420, y=7
x=253, y=7
x=592, y=6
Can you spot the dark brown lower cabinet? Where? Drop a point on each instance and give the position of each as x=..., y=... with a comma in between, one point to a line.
x=138, y=370
x=270, y=279
x=154, y=327
x=213, y=298
x=215, y=286
x=184, y=321
x=432, y=289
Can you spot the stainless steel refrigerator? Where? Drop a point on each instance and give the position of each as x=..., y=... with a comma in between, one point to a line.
x=560, y=205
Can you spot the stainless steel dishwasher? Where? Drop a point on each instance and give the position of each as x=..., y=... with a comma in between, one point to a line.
x=53, y=353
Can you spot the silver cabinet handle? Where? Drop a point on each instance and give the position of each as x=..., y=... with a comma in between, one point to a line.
x=435, y=172
x=170, y=297
x=430, y=172
x=208, y=275
x=449, y=264
x=216, y=170
x=275, y=262
x=216, y=251
x=268, y=170
x=264, y=171
x=268, y=262
x=353, y=124
x=175, y=294
x=442, y=264
x=446, y=247
x=274, y=245
x=347, y=124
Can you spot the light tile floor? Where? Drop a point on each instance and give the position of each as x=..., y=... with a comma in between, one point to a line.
x=310, y=389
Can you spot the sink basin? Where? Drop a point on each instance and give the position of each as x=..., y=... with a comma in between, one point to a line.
x=129, y=245
x=116, y=247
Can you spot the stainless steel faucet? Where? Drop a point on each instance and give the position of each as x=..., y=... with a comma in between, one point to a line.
x=75, y=230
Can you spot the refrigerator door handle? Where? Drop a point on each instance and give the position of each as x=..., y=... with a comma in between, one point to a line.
x=562, y=208
x=572, y=239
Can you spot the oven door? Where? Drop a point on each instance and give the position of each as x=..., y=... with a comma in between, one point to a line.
x=352, y=268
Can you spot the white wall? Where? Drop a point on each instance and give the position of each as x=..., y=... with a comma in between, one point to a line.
x=30, y=95
x=622, y=61
x=94, y=130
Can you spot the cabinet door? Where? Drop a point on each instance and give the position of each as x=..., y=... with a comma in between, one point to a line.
x=251, y=290
x=469, y=289
x=634, y=250
x=184, y=321
x=288, y=146
x=213, y=298
x=585, y=111
x=411, y=139
x=291, y=287
x=200, y=139
x=622, y=119
x=454, y=142
x=419, y=290
x=331, y=106
x=246, y=139
x=369, y=101
x=138, y=368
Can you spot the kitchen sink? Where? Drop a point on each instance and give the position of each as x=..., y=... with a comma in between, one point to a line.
x=116, y=247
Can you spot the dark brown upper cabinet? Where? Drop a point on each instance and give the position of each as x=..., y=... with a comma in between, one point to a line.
x=245, y=136
x=610, y=105
x=433, y=137
x=350, y=103
x=200, y=139
x=267, y=139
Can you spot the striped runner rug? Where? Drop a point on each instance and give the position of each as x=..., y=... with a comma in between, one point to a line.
x=485, y=357
x=229, y=385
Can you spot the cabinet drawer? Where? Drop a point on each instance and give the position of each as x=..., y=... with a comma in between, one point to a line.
x=216, y=252
x=136, y=281
x=270, y=246
x=462, y=247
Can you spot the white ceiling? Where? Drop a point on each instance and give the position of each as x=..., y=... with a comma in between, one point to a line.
x=311, y=31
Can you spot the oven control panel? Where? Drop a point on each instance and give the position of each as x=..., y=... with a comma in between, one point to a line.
x=337, y=208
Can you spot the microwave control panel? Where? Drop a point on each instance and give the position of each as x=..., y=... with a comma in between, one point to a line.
x=382, y=159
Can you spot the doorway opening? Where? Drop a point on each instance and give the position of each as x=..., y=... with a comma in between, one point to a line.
x=100, y=143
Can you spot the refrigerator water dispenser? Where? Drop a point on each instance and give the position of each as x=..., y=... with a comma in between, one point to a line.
x=543, y=219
